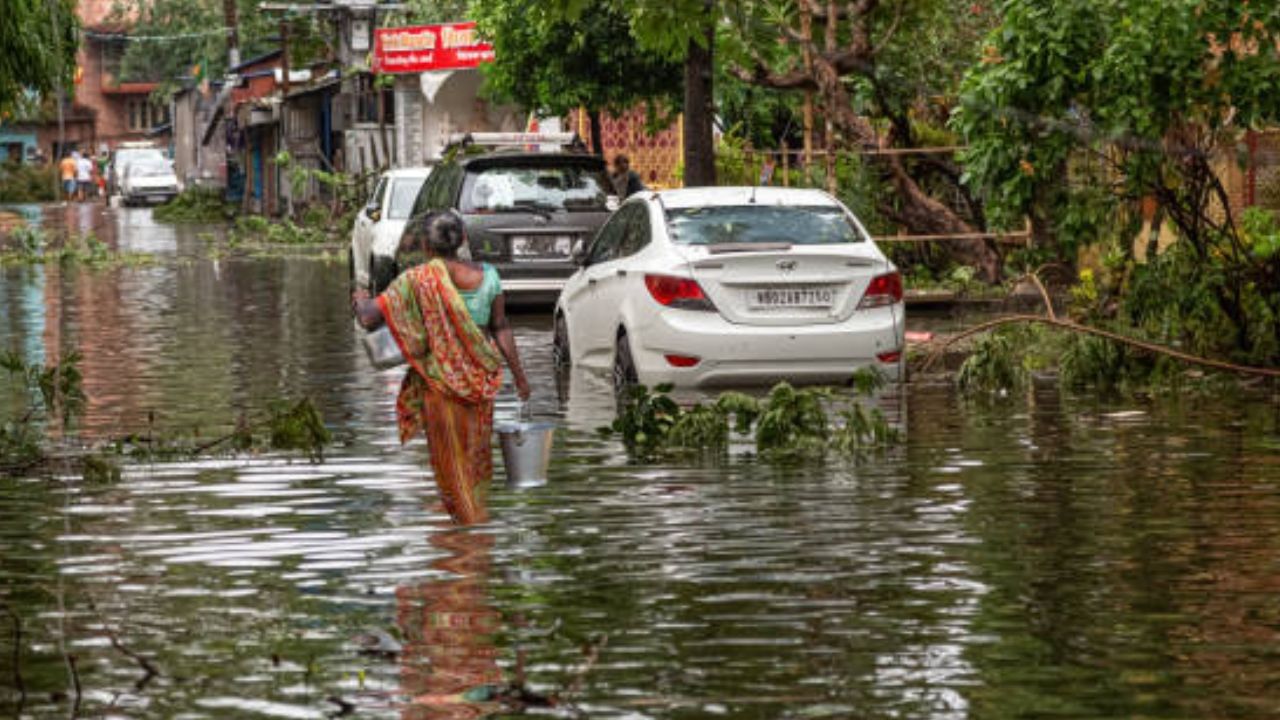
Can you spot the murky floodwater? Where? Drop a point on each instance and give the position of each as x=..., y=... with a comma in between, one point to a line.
x=1036, y=557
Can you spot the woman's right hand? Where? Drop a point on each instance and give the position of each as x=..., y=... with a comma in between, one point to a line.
x=522, y=388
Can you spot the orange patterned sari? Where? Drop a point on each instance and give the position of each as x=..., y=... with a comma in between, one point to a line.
x=454, y=373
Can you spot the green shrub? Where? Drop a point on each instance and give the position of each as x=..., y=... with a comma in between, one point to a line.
x=255, y=228
x=994, y=366
x=27, y=183
x=296, y=426
x=195, y=206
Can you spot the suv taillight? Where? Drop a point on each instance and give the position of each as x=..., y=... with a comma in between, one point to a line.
x=679, y=293
x=883, y=290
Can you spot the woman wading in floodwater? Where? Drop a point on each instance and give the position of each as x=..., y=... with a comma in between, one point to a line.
x=449, y=318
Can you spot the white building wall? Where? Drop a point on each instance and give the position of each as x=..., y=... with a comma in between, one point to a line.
x=432, y=107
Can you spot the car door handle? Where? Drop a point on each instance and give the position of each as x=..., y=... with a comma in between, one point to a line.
x=622, y=273
x=592, y=281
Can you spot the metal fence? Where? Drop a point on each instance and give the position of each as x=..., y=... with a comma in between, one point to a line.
x=1262, y=172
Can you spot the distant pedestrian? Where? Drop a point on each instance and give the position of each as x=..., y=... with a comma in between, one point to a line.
x=84, y=176
x=626, y=182
x=67, y=168
x=100, y=171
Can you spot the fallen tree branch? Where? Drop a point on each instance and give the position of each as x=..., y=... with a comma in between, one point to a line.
x=73, y=668
x=1034, y=277
x=148, y=668
x=1069, y=326
x=18, y=683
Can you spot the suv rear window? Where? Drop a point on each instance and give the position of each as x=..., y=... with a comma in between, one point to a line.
x=504, y=188
x=796, y=225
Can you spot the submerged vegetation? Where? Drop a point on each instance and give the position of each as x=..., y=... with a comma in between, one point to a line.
x=195, y=206
x=788, y=423
x=28, y=183
x=31, y=246
x=258, y=230
x=49, y=400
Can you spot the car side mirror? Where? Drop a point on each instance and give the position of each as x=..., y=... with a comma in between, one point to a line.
x=611, y=203
x=579, y=253
x=373, y=210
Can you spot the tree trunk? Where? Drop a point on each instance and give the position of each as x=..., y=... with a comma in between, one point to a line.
x=597, y=132
x=926, y=215
x=231, y=18
x=699, y=150
x=911, y=205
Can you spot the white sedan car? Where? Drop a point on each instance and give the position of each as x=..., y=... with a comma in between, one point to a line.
x=378, y=227
x=148, y=181
x=732, y=286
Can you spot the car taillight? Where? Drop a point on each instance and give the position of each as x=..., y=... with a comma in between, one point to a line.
x=883, y=290
x=682, y=361
x=675, y=292
x=891, y=356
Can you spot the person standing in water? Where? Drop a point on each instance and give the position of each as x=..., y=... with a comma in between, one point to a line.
x=84, y=177
x=626, y=182
x=449, y=318
x=67, y=169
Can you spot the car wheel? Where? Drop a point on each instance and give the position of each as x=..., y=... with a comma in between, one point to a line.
x=560, y=344
x=624, y=366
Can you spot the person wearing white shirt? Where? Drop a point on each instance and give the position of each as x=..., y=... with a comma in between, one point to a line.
x=84, y=177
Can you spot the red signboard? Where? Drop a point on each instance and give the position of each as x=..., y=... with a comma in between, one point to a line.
x=428, y=47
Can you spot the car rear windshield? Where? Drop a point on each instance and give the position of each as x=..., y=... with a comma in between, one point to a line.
x=509, y=188
x=148, y=168
x=403, y=193
x=133, y=155
x=794, y=225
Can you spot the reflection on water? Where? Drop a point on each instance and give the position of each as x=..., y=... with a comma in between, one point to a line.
x=450, y=660
x=1043, y=556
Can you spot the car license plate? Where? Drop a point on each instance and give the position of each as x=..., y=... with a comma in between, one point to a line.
x=544, y=247
x=155, y=198
x=791, y=297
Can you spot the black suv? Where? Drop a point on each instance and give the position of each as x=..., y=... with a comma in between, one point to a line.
x=525, y=213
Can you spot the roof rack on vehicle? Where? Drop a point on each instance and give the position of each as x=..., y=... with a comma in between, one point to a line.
x=567, y=140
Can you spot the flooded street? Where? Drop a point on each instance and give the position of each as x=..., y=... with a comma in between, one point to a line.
x=1036, y=556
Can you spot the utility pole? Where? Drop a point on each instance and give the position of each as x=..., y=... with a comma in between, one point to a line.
x=61, y=94
x=232, y=20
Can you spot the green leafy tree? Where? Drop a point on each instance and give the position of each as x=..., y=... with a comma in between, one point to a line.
x=682, y=31
x=1155, y=94
x=37, y=49
x=549, y=63
x=882, y=75
x=178, y=39
x=437, y=11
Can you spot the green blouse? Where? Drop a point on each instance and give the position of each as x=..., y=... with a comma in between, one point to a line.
x=480, y=300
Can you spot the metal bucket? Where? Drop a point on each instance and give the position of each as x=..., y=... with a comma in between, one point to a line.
x=526, y=452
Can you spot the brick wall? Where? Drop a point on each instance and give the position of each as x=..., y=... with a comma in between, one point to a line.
x=97, y=90
x=656, y=157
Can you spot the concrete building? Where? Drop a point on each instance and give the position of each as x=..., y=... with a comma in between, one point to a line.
x=104, y=108
x=199, y=159
x=432, y=106
x=18, y=143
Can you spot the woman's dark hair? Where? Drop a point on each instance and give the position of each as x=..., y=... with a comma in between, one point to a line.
x=444, y=233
